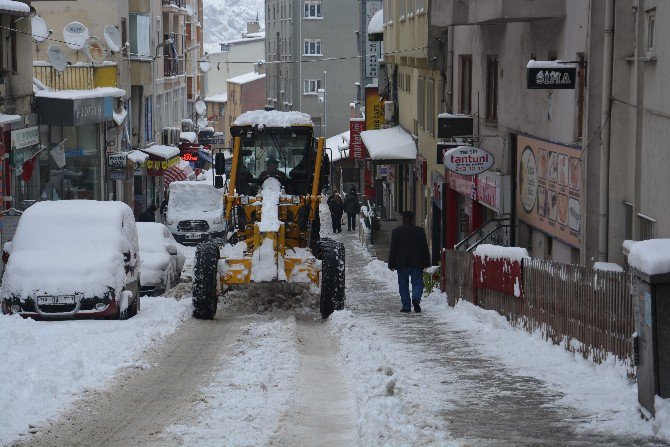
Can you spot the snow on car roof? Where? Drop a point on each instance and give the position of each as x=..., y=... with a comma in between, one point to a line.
x=273, y=118
x=151, y=236
x=194, y=200
x=70, y=246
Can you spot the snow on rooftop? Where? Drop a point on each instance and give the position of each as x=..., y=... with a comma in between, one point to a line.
x=452, y=115
x=273, y=118
x=548, y=64
x=165, y=152
x=219, y=97
x=100, y=92
x=137, y=156
x=191, y=137
x=253, y=37
x=607, y=267
x=389, y=144
x=338, y=144
x=376, y=25
x=13, y=6
x=246, y=78
x=497, y=252
x=651, y=256
x=8, y=119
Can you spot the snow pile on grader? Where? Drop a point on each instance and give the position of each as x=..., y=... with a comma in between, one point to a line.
x=274, y=179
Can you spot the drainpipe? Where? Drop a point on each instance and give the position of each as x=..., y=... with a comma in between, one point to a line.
x=603, y=222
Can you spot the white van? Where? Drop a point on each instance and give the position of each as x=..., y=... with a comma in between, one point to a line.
x=195, y=212
x=73, y=259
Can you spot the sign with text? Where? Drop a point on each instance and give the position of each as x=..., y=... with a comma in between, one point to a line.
x=356, y=147
x=374, y=109
x=27, y=137
x=442, y=148
x=372, y=48
x=450, y=126
x=74, y=112
x=549, y=188
x=117, y=160
x=468, y=160
x=551, y=75
x=437, y=184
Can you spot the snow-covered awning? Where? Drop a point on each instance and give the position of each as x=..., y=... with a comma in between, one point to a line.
x=339, y=145
x=389, y=144
x=191, y=137
x=376, y=25
x=165, y=152
x=9, y=119
x=14, y=8
x=220, y=97
x=137, y=156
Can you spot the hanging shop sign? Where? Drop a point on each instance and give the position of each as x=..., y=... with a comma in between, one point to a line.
x=74, y=112
x=450, y=126
x=374, y=109
x=356, y=147
x=372, y=48
x=551, y=75
x=442, y=148
x=489, y=190
x=157, y=167
x=549, y=191
x=117, y=160
x=468, y=160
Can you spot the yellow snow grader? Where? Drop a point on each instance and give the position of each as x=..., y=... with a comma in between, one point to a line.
x=272, y=188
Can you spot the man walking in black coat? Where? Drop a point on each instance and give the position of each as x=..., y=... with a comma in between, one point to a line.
x=336, y=210
x=409, y=255
x=351, y=206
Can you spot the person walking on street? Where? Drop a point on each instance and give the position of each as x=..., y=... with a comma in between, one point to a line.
x=409, y=255
x=336, y=207
x=352, y=207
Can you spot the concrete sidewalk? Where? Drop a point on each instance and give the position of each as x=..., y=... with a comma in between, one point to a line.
x=499, y=407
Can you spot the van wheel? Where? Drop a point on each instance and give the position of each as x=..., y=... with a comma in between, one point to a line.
x=204, y=281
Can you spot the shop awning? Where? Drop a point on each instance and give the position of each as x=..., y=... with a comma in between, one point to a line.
x=376, y=27
x=389, y=144
x=174, y=174
x=160, y=151
x=14, y=8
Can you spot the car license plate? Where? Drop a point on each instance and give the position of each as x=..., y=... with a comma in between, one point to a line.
x=56, y=300
x=193, y=236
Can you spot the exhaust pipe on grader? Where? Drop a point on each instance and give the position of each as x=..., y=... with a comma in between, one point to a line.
x=272, y=203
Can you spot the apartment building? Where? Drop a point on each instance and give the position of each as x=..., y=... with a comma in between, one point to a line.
x=245, y=93
x=300, y=34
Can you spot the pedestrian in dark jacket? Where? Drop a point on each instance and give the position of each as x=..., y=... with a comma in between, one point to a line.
x=336, y=207
x=352, y=207
x=409, y=255
x=149, y=215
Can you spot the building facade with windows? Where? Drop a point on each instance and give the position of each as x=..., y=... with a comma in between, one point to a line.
x=300, y=34
x=245, y=93
x=545, y=139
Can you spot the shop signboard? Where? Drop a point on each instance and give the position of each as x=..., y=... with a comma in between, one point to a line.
x=549, y=187
x=356, y=147
x=117, y=160
x=118, y=174
x=374, y=109
x=372, y=48
x=437, y=184
x=489, y=190
x=74, y=111
x=551, y=75
x=442, y=148
x=21, y=138
x=468, y=160
x=450, y=126
x=462, y=184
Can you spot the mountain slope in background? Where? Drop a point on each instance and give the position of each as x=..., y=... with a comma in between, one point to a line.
x=227, y=20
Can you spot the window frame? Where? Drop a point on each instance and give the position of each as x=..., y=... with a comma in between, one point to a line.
x=492, y=66
x=465, y=84
x=308, y=84
x=307, y=45
x=307, y=10
x=650, y=32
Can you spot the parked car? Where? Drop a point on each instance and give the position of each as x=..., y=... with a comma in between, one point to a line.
x=162, y=259
x=73, y=259
x=195, y=212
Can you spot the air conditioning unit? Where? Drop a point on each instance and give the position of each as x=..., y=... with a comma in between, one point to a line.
x=167, y=137
x=176, y=133
x=187, y=126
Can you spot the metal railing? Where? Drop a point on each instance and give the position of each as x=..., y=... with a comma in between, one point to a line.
x=493, y=231
x=72, y=78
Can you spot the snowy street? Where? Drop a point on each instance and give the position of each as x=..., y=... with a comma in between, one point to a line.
x=268, y=371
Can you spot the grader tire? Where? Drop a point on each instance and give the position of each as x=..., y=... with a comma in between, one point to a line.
x=332, y=283
x=204, y=281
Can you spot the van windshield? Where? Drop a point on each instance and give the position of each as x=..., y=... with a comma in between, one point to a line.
x=194, y=199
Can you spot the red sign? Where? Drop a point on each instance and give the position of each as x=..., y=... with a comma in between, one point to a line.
x=463, y=184
x=501, y=274
x=437, y=182
x=356, y=147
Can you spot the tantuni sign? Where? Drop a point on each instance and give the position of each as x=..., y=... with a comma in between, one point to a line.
x=468, y=160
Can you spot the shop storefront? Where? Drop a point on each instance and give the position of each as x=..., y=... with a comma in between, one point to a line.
x=161, y=159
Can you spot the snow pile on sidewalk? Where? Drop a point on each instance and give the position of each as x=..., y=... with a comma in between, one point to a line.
x=602, y=391
x=45, y=365
x=255, y=385
x=395, y=407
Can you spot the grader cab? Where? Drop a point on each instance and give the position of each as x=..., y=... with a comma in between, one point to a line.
x=273, y=182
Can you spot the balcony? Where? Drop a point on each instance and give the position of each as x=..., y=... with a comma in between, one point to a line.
x=173, y=67
x=80, y=77
x=506, y=11
x=174, y=6
x=449, y=12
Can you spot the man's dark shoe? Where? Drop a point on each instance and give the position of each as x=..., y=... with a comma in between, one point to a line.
x=417, y=308
x=403, y=310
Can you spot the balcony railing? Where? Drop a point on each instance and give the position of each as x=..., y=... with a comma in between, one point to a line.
x=76, y=77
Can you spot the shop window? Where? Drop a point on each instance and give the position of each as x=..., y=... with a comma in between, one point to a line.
x=465, y=84
x=492, y=88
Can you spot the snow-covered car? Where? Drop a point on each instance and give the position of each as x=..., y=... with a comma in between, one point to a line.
x=195, y=212
x=162, y=260
x=73, y=259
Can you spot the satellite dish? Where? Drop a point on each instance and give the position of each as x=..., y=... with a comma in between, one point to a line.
x=40, y=30
x=94, y=50
x=201, y=108
x=75, y=34
x=204, y=66
x=113, y=38
x=57, y=58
